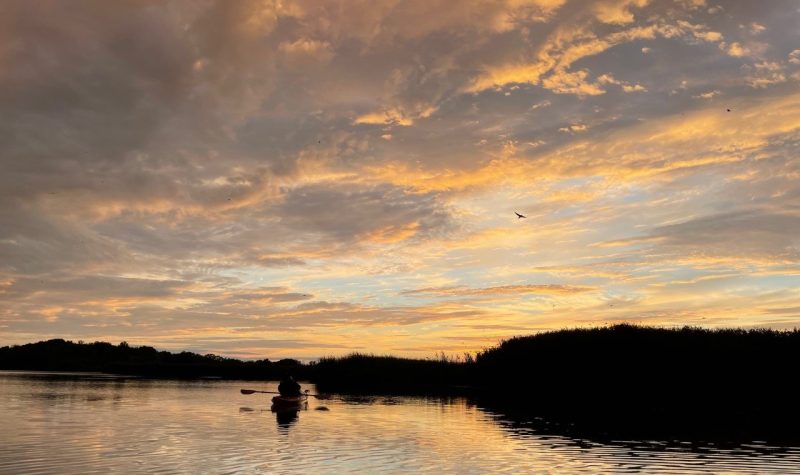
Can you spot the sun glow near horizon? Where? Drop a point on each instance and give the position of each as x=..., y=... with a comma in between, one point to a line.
x=310, y=178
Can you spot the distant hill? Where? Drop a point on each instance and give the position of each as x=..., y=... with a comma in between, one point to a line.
x=61, y=355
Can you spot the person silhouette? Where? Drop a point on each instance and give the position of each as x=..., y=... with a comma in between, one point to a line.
x=288, y=387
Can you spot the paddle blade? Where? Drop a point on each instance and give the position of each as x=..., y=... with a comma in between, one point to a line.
x=248, y=391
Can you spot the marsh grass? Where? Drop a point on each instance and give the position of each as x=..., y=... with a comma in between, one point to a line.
x=621, y=381
x=603, y=382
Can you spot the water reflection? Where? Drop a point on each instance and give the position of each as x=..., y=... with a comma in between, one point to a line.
x=285, y=419
x=83, y=424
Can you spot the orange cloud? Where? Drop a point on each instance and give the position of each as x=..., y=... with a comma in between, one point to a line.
x=537, y=289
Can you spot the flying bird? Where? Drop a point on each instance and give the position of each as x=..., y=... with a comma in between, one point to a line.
x=519, y=216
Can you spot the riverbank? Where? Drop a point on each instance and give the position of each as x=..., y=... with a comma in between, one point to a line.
x=612, y=382
x=61, y=355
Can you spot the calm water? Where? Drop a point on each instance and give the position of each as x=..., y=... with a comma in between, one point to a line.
x=80, y=423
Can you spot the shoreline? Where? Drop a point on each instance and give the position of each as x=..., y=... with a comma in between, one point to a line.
x=611, y=381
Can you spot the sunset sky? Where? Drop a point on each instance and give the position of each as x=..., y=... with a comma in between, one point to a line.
x=307, y=178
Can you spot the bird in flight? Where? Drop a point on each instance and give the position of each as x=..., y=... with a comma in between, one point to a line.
x=519, y=216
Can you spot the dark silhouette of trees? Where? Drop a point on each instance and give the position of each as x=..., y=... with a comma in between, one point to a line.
x=618, y=381
x=626, y=381
x=60, y=355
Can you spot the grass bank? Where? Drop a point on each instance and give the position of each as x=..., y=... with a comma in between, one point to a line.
x=614, y=382
x=610, y=382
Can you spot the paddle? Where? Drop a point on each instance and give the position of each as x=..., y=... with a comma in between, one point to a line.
x=253, y=391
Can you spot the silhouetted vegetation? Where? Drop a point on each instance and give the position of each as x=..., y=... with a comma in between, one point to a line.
x=613, y=382
x=359, y=373
x=626, y=381
x=61, y=355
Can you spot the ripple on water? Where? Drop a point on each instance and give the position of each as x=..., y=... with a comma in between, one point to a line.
x=98, y=424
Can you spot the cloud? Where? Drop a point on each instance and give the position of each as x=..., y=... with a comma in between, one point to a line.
x=305, y=54
x=626, y=87
x=742, y=233
x=709, y=36
x=737, y=50
x=197, y=174
x=397, y=116
x=574, y=128
x=764, y=74
x=103, y=287
x=633, y=88
x=536, y=289
x=618, y=12
x=572, y=83
x=568, y=45
x=756, y=28
x=345, y=212
x=546, y=103
x=708, y=94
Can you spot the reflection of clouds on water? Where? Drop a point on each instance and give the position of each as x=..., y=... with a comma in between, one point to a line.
x=191, y=426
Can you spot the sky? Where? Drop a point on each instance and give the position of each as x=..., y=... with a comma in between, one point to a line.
x=268, y=179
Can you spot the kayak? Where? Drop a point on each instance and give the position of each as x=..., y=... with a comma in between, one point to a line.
x=289, y=403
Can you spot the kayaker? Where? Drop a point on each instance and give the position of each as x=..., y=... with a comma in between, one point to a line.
x=289, y=387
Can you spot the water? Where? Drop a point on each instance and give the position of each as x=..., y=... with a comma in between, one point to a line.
x=89, y=423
